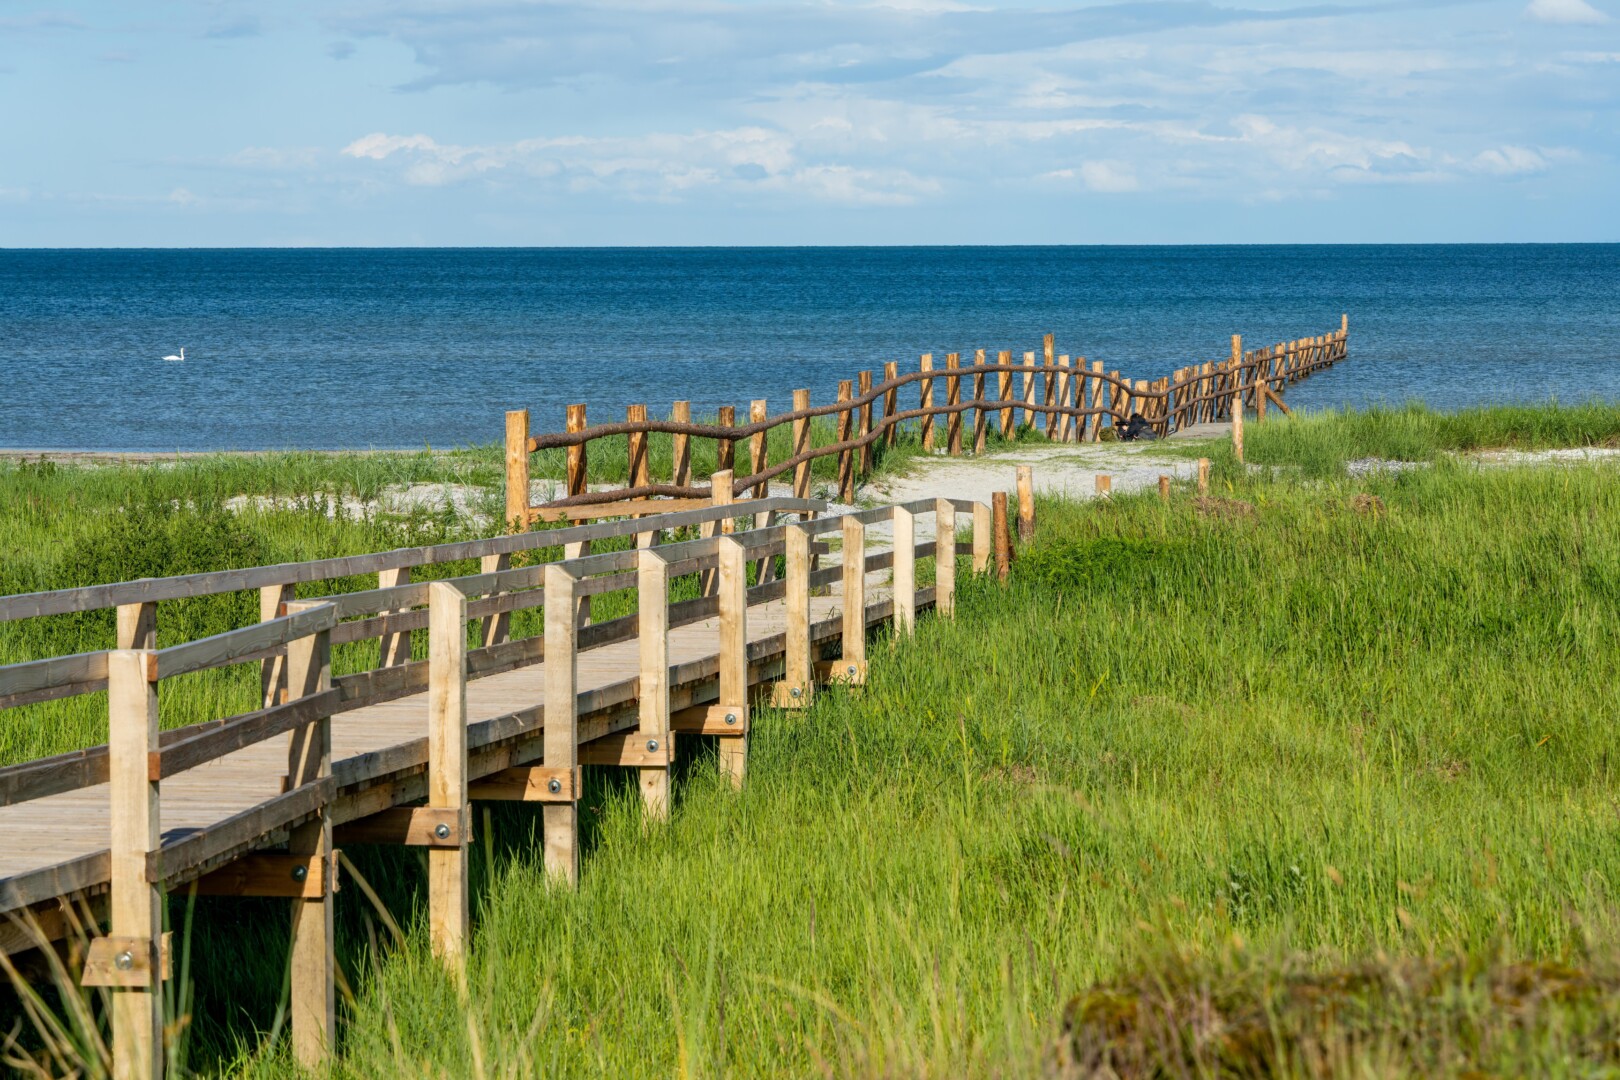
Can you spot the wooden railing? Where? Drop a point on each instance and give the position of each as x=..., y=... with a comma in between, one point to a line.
x=1069, y=401
x=287, y=845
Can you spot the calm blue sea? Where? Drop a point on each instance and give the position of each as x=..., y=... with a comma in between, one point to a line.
x=405, y=348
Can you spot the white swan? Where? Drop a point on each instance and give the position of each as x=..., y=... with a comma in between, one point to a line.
x=182, y=355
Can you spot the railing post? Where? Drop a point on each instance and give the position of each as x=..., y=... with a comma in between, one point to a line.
x=953, y=397
x=733, y=588
x=846, y=457
x=561, y=735
x=577, y=484
x=448, y=919
x=1004, y=385
x=680, y=472
x=137, y=625
x=273, y=601
x=863, y=428
x=719, y=495
x=925, y=400
x=983, y=540
x=1029, y=389
x=945, y=558
x=725, y=450
x=801, y=445
x=394, y=649
x=517, y=470
x=135, y=903
x=1049, y=421
x=891, y=372
x=797, y=685
x=852, y=662
x=905, y=570
x=1065, y=422
x=1003, y=542
x=313, y=981
x=637, y=471
x=759, y=451
x=978, y=399
x=1026, y=503
x=652, y=630
x=1099, y=390
x=496, y=628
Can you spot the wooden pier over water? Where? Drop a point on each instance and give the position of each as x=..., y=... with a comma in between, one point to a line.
x=259, y=803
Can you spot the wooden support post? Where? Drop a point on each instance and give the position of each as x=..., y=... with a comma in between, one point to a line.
x=926, y=401
x=945, y=558
x=137, y=624
x=1105, y=485
x=1003, y=539
x=1029, y=390
x=905, y=571
x=979, y=417
x=313, y=985
x=448, y=920
x=394, y=648
x=1344, y=325
x=1164, y=488
x=853, y=660
x=796, y=687
x=1026, y=503
x=652, y=630
x=801, y=445
x=1049, y=419
x=517, y=470
x=725, y=450
x=680, y=472
x=497, y=628
x=135, y=905
x=1260, y=386
x=1098, y=391
x=863, y=427
x=273, y=601
x=733, y=657
x=982, y=539
x=561, y=735
x=1065, y=422
x=953, y=396
x=846, y=457
x=720, y=495
x=1203, y=476
x=891, y=401
x=575, y=481
x=759, y=451
x=1004, y=389
x=638, y=470
x=1237, y=398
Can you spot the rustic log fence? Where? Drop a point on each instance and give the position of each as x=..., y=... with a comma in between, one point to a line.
x=1067, y=401
x=258, y=803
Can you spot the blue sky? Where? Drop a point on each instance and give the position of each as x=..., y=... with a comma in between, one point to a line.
x=794, y=122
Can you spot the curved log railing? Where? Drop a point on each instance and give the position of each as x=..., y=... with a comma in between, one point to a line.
x=1078, y=404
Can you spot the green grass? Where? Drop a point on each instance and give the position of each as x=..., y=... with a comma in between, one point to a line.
x=1319, y=443
x=1312, y=740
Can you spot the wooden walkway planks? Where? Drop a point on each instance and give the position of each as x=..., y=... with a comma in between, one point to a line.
x=58, y=845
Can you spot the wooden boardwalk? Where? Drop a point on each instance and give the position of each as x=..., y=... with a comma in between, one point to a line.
x=59, y=844
x=259, y=804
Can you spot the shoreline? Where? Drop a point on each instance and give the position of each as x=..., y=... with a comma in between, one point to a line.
x=158, y=457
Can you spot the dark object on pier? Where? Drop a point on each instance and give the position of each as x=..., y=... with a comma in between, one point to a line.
x=1136, y=429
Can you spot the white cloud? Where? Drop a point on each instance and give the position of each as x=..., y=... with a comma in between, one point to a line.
x=1565, y=11
x=1109, y=177
x=1509, y=161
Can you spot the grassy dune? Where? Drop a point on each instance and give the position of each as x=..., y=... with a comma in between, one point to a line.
x=1313, y=777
